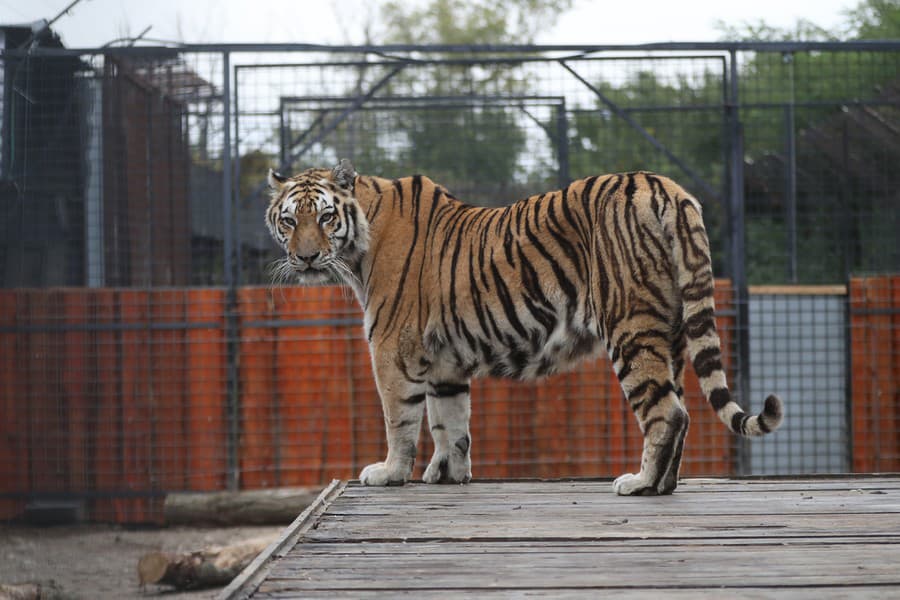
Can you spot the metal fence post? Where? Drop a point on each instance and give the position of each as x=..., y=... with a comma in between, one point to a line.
x=737, y=253
x=231, y=316
x=562, y=145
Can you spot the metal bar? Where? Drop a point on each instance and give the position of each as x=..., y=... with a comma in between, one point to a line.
x=232, y=333
x=455, y=101
x=343, y=116
x=358, y=102
x=730, y=47
x=276, y=323
x=68, y=327
x=86, y=494
x=562, y=145
x=693, y=175
x=790, y=151
x=236, y=185
x=282, y=132
x=468, y=61
x=736, y=256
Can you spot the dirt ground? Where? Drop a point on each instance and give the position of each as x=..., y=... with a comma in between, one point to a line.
x=100, y=561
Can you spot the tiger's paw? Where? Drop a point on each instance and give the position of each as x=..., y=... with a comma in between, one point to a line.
x=448, y=469
x=630, y=484
x=379, y=474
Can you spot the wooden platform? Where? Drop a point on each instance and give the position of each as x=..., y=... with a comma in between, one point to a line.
x=751, y=538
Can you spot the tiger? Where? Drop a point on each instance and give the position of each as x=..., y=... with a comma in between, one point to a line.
x=451, y=291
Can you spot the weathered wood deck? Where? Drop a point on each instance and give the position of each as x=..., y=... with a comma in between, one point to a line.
x=750, y=538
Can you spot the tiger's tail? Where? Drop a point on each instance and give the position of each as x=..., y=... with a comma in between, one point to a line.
x=695, y=281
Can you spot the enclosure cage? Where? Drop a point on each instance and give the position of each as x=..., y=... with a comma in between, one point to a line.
x=145, y=351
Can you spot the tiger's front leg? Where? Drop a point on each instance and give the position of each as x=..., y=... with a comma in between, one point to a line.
x=403, y=403
x=449, y=411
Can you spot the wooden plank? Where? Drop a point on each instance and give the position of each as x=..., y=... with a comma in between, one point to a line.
x=832, y=537
x=857, y=592
x=535, y=566
x=246, y=583
x=798, y=290
x=589, y=525
x=603, y=487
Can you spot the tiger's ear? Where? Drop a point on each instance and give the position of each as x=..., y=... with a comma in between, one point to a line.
x=275, y=180
x=344, y=174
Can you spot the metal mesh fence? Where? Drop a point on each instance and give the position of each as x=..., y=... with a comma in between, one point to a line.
x=143, y=351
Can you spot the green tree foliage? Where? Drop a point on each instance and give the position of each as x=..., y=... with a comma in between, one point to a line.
x=839, y=107
x=875, y=20
x=469, y=21
x=463, y=136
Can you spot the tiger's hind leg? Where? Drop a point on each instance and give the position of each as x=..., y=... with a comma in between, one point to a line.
x=670, y=480
x=449, y=411
x=646, y=372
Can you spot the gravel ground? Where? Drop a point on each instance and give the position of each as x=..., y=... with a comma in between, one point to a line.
x=100, y=561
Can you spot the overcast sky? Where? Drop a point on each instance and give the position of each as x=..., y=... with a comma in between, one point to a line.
x=93, y=23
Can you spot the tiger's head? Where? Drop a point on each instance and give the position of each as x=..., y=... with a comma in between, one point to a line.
x=316, y=219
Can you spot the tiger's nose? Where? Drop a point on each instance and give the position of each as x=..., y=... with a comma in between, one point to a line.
x=310, y=258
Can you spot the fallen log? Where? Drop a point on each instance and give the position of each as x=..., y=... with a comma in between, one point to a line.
x=49, y=590
x=247, y=507
x=211, y=567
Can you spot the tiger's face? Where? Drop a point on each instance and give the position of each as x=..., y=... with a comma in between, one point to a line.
x=317, y=221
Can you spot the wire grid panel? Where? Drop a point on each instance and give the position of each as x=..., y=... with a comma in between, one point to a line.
x=137, y=360
x=821, y=191
x=115, y=397
x=798, y=351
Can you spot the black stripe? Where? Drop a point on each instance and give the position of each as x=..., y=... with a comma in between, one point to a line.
x=707, y=361
x=718, y=398
x=698, y=290
x=414, y=399
x=401, y=285
x=563, y=242
x=509, y=308
x=446, y=389
x=699, y=323
x=462, y=444
x=665, y=456
x=565, y=284
x=661, y=392
x=738, y=420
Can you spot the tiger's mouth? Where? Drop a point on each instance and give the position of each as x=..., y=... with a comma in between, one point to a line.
x=287, y=271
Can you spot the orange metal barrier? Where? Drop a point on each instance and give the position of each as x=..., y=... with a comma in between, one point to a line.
x=117, y=396
x=875, y=373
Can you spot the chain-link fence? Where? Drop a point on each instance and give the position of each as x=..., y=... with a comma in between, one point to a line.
x=143, y=352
